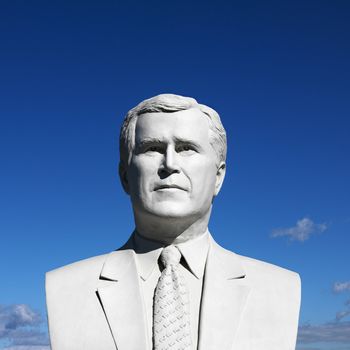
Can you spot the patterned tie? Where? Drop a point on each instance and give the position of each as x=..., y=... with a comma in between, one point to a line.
x=171, y=321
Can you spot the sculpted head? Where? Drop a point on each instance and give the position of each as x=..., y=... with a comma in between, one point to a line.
x=172, y=158
x=170, y=103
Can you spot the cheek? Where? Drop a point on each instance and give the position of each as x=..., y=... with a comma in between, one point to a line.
x=203, y=180
x=142, y=174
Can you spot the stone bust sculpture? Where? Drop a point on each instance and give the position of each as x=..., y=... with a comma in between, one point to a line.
x=171, y=286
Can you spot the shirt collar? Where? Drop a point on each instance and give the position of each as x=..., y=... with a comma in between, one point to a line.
x=194, y=252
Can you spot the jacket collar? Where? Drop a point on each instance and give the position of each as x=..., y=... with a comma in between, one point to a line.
x=122, y=302
x=147, y=254
x=224, y=296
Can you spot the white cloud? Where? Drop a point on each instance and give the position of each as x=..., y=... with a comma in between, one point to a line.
x=323, y=346
x=15, y=316
x=333, y=332
x=341, y=314
x=20, y=328
x=332, y=335
x=339, y=287
x=27, y=347
x=302, y=231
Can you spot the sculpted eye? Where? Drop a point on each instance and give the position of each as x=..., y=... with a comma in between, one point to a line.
x=154, y=149
x=185, y=148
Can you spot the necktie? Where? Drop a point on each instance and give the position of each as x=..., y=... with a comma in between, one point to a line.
x=171, y=321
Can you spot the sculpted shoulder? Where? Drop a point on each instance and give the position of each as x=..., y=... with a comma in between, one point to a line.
x=256, y=272
x=273, y=304
x=75, y=315
x=80, y=272
x=261, y=273
x=270, y=284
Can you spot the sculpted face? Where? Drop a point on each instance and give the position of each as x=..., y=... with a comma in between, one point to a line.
x=174, y=169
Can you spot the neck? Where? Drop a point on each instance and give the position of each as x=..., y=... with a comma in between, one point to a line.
x=171, y=230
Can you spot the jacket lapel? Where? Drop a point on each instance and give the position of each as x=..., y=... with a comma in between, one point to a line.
x=223, y=299
x=120, y=296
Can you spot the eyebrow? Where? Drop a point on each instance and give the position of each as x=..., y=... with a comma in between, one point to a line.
x=147, y=141
x=139, y=146
x=190, y=142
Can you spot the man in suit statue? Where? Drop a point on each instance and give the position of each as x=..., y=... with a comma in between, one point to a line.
x=171, y=287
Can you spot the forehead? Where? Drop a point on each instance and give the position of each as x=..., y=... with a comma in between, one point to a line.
x=191, y=125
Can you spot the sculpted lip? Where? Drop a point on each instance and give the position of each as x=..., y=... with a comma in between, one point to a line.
x=165, y=187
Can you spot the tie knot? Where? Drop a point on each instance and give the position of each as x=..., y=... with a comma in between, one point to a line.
x=170, y=256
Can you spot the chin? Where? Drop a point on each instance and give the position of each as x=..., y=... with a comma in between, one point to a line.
x=171, y=210
x=180, y=212
x=170, y=213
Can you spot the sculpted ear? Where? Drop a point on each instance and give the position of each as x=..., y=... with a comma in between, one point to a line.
x=220, y=175
x=123, y=176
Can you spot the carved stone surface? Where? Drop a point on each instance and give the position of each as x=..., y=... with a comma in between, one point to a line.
x=172, y=165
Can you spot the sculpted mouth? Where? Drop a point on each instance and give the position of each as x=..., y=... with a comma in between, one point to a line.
x=168, y=187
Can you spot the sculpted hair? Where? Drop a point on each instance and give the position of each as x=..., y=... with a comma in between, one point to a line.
x=169, y=103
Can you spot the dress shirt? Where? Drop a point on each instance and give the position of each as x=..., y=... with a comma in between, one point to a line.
x=192, y=265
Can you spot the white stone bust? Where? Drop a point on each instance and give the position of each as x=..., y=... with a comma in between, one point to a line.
x=172, y=165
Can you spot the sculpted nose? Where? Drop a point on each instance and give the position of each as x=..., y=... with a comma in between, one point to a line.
x=170, y=163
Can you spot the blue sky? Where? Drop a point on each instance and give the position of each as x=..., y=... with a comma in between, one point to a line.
x=276, y=71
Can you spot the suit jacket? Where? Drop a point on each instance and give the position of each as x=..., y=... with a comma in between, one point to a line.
x=96, y=304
